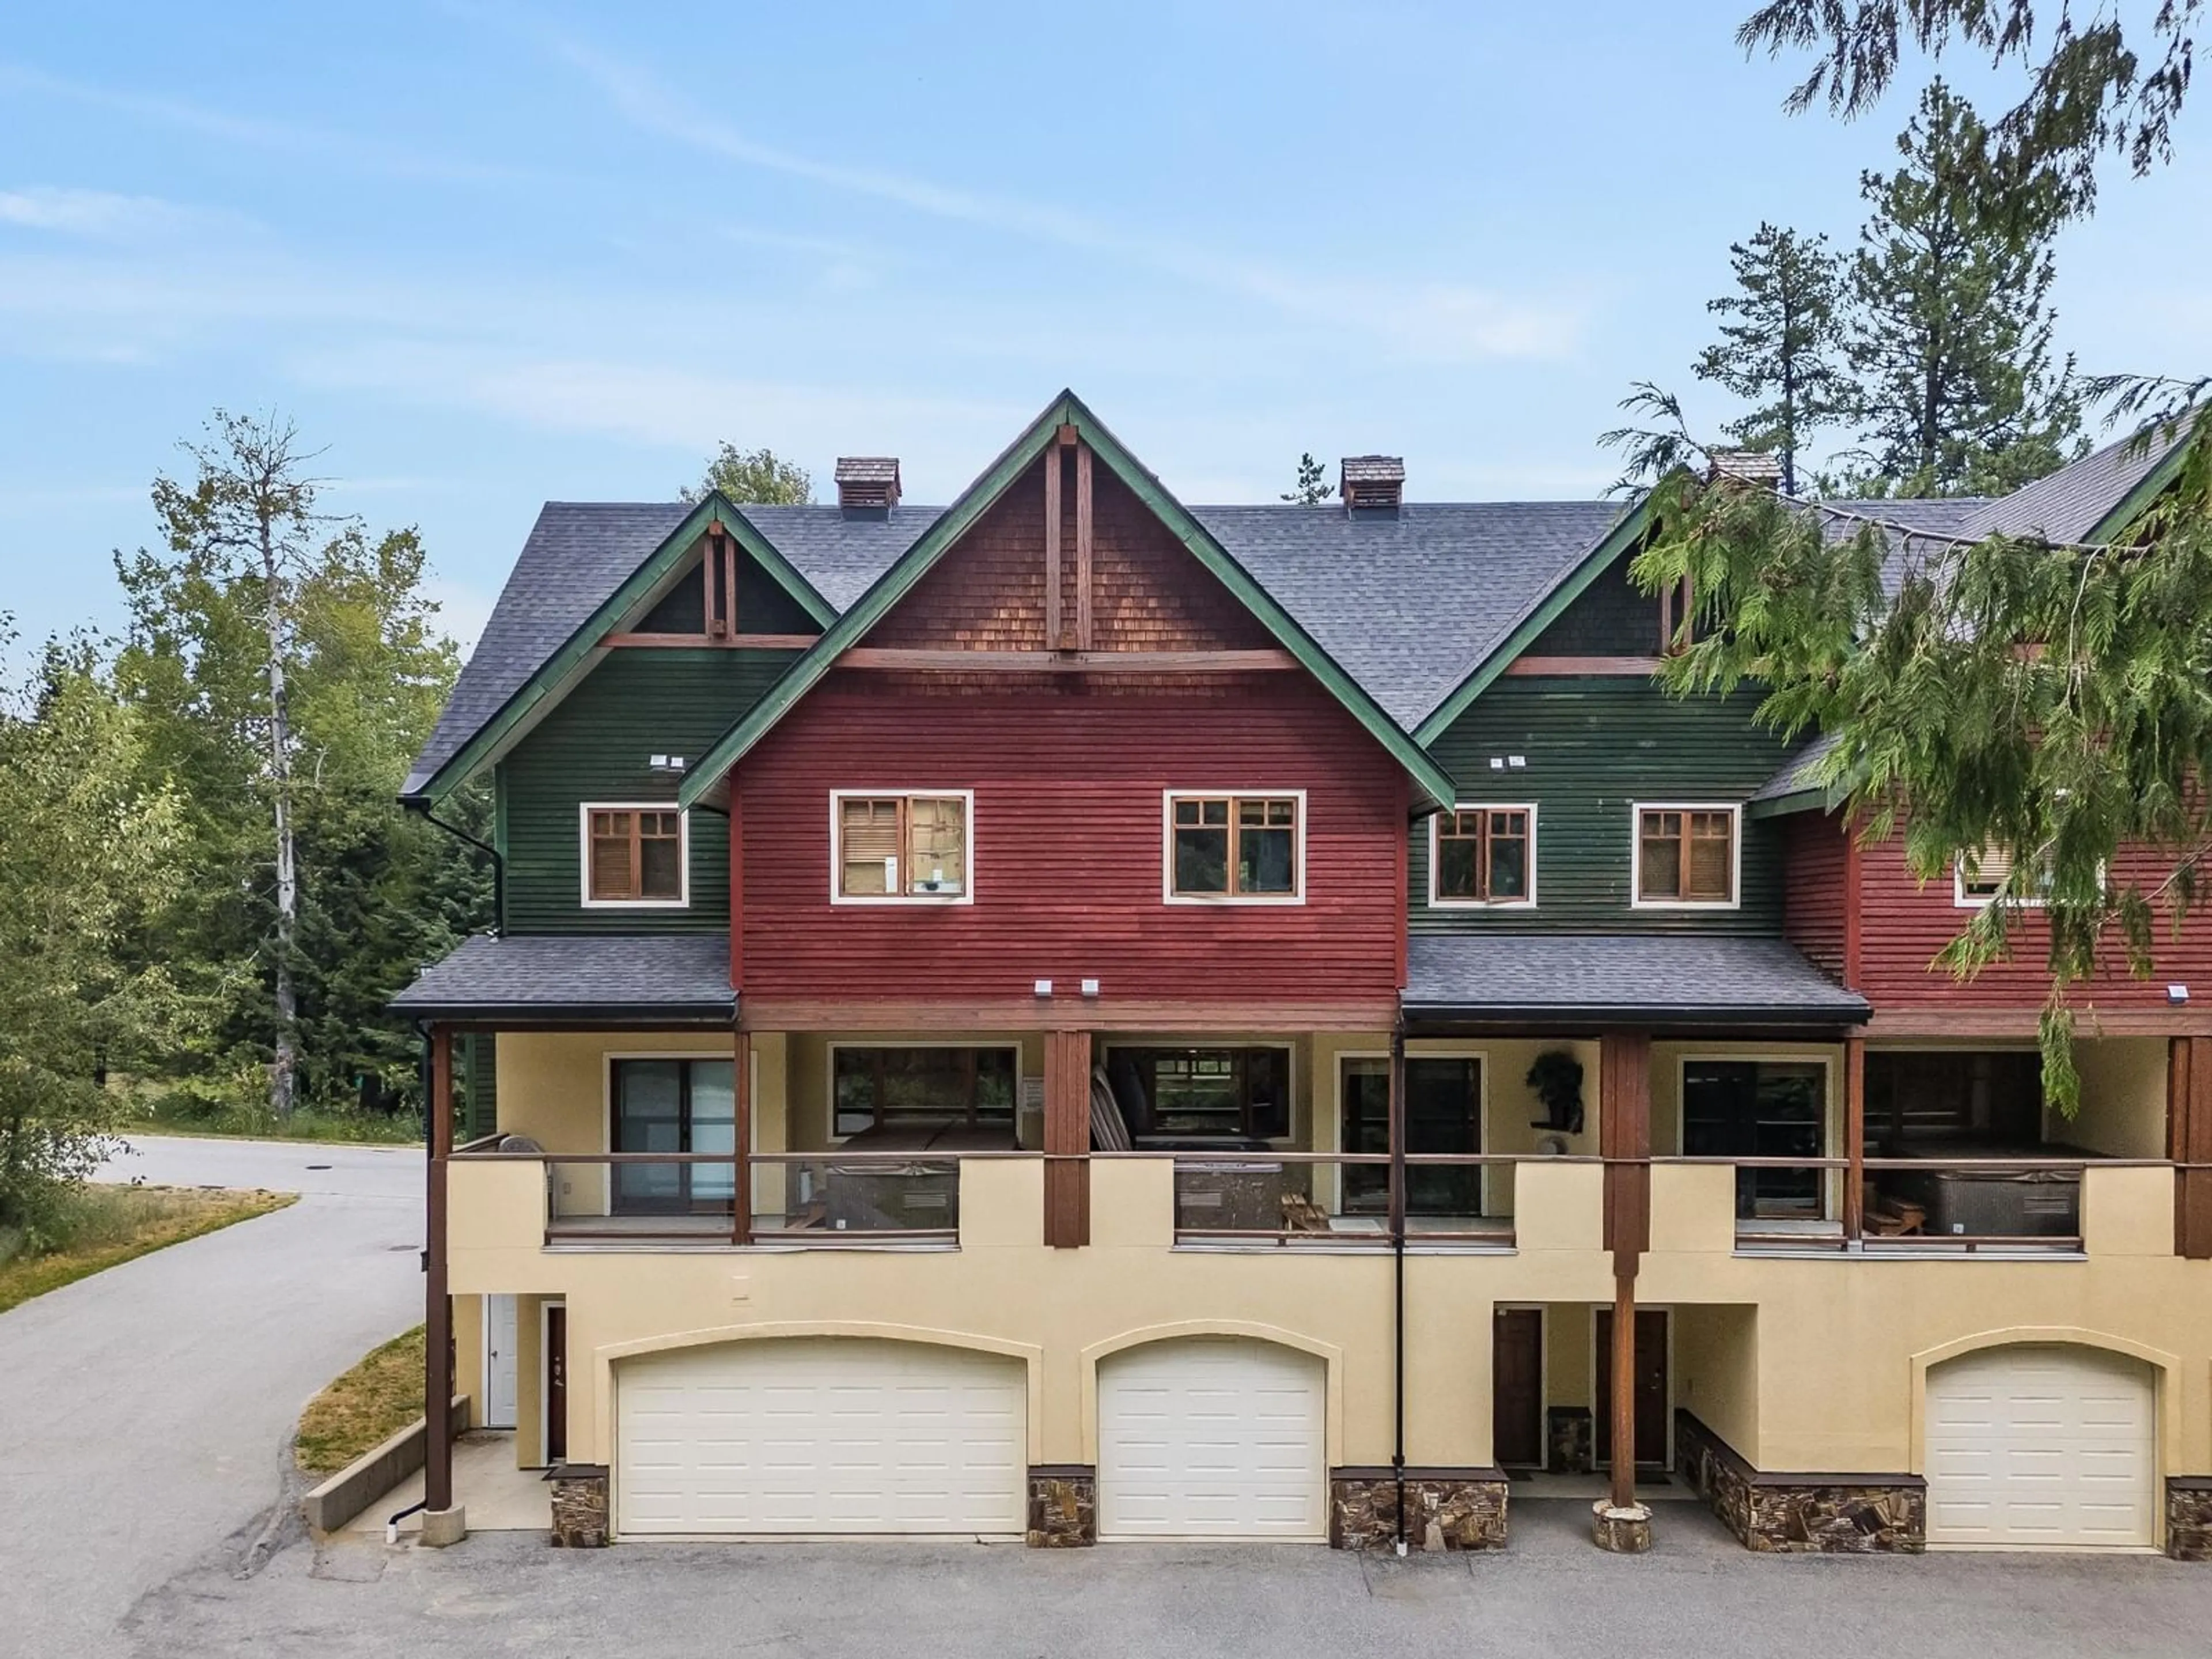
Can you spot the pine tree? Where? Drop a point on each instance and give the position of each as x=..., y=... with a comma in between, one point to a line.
x=1781, y=349
x=1311, y=490
x=1950, y=337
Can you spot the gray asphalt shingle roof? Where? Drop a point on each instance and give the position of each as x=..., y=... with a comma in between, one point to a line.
x=547, y=975
x=1513, y=975
x=2070, y=503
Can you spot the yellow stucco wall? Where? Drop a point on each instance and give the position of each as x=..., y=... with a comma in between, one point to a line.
x=1803, y=1364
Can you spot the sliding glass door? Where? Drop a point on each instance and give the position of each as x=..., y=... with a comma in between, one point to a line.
x=674, y=1106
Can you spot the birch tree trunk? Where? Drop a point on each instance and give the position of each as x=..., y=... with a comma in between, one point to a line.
x=284, y=1061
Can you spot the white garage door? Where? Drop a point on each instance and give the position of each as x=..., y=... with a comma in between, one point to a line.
x=1213, y=1437
x=2041, y=1448
x=821, y=1435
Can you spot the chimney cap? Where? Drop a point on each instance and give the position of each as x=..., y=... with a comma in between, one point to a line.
x=867, y=482
x=1368, y=481
x=1751, y=466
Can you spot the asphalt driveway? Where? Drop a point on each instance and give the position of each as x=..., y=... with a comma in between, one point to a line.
x=144, y=1410
x=1553, y=1593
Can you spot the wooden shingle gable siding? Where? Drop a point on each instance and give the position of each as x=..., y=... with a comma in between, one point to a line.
x=597, y=746
x=1609, y=618
x=1592, y=748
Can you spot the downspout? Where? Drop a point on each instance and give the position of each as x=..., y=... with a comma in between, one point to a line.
x=1398, y=1268
x=498, y=867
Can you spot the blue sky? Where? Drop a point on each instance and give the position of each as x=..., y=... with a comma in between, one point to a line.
x=490, y=254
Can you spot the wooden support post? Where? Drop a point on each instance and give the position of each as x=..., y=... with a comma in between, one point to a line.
x=1855, y=1136
x=1067, y=1139
x=1083, y=580
x=1052, y=471
x=437, y=1304
x=1623, y=1402
x=741, y=1080
x=2188, y=1143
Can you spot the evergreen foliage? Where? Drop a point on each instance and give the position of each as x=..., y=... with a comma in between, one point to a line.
x=1312, y=487
x=1781, y=346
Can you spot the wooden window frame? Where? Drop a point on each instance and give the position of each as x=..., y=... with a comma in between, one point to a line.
x=905, y=796
x=682, y=899
x=1178, y=1043
x=1439, y=899
x=1636, y=812
x=1671, y=618
x=1169, y=798
x=1835, y=1130
x=830, y=1079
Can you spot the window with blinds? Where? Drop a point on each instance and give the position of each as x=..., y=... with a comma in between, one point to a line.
x=900, y=846
x=634, y=855
x=1979, y=876
x=1484, y=856
x=1686, y=854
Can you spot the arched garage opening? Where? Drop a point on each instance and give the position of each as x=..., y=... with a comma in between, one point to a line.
x=813, y=1436
x=1212, y=1437
x=2042, y=1445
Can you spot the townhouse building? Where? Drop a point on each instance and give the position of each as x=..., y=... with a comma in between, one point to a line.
x=1074, y=1017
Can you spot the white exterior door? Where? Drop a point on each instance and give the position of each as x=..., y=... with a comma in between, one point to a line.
x=1212, y=1437
x=502, y=1400
x=821, y=1435
x=2042, y=1448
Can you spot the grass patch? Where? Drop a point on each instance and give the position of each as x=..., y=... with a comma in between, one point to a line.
x=103, y=1227
x=361, y=1408
x=236, y=1123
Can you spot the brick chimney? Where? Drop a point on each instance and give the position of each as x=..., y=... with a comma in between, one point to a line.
x=1369, y=482
x=868, y=483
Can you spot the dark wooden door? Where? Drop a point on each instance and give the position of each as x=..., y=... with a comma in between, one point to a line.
x=1517, y=1388
x=556, y=1384
x=1652, y=1402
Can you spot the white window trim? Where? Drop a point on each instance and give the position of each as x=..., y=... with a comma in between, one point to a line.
x=1637, y=808
x=829, y=1073
x=583, y=811
x=839, y=797
x=1168, y=894
x=1963, y=900
x=1436, y=836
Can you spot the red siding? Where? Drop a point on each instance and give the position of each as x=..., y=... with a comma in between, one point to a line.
x=1815, y=891
x=1066, y=841
x=1903, y=925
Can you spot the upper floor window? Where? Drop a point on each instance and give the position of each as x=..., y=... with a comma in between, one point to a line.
x=1483, y=855
x=1686, y=855
x=890, y=847
x=635, y=855
x=1978, y=878
x=1236, y=847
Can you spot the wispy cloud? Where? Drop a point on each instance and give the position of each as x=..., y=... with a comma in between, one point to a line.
x=1430, y=319
x=98, y=213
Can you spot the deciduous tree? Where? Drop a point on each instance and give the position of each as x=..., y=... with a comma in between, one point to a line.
x=754, y=477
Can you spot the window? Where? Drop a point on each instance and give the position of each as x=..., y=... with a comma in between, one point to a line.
x=1686, y=855
x=1978, y=878
x=1483, y=855
x=1443, y=1114
x=1761, y=1109
x=1677, y=612
x=876, y=1088
x=900, y=847
x=674, y=1106
x=1232, y=1092
x=634, y=855
x=1236, y=847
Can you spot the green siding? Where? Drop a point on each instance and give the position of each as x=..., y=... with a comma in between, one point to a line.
x=479, y=1084
x=1594, y=746
x=1608, y=618
x=595, y=747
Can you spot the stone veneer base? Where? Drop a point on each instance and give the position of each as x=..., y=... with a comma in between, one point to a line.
x=2189, y=1517
x=579, y=1506
x=1063, y=1506
x=1446, y=1509
x=1836, y=1515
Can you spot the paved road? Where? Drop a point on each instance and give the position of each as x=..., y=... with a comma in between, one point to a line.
x=143, y=1410
x=1697, y=1594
